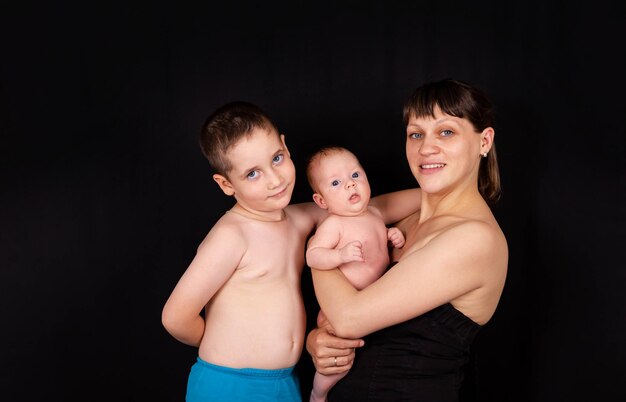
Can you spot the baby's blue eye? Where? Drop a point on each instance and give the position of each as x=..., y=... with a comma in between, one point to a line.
x=335, y=183
x=278, y=158
x=252, y=175
x=355, y=175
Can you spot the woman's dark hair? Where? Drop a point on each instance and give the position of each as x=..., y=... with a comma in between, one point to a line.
x=459, y=99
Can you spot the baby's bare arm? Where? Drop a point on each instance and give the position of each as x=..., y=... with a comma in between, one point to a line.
x=322, y=252
x=217, y=258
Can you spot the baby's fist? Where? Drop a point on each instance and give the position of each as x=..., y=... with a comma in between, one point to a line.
x=352, y=251
x=395, y=236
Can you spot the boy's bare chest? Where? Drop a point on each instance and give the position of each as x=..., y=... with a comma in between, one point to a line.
x=272, y=250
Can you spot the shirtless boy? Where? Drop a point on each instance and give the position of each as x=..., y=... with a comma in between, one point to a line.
x=353, y=237
x=246, y=273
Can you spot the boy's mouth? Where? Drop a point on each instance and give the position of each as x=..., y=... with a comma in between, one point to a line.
x=280, y=193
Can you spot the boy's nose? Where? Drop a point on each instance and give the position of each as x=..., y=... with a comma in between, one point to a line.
x=274, y=179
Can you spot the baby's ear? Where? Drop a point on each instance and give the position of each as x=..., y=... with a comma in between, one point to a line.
x=319, y=200
x=224, y=184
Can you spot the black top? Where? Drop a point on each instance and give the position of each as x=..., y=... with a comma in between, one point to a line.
x=418, y=360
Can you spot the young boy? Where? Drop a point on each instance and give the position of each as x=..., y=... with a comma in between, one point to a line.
x=246, y=273
x=353, y=237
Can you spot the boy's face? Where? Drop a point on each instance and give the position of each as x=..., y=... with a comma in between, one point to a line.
x=262, y=177
x=342, y=186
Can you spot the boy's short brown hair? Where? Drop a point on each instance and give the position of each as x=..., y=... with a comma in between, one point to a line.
x=226, y=126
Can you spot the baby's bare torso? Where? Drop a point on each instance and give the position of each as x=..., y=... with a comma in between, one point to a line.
x=371, y=231
x=257, y=318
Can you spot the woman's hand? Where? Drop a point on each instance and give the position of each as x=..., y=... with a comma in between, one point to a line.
x=330, y=354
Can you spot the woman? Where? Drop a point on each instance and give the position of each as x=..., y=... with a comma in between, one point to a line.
x=421, y=317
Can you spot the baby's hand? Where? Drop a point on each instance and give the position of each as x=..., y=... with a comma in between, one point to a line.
x=352, y=251
x=395, y=236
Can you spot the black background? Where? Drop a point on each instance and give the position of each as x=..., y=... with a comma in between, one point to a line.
x=105, y=195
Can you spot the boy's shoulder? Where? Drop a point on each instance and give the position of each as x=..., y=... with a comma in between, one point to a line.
x=228, y=226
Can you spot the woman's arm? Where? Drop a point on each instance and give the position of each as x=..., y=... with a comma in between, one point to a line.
x=457, y=261
x=324, y=347
x=397, y=205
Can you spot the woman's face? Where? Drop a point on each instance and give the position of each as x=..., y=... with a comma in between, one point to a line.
x=444, y=151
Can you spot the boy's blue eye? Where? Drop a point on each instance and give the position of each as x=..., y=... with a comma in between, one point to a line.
x=355, y=175
x=446, y=133
x=278, y=158
x=335, y=183
x=252, y=175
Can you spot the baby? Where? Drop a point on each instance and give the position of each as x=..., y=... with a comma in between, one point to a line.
x=353, y=237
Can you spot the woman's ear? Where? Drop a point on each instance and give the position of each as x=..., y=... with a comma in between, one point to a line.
x=224, y=184
x=486, y=140
x=319, y=200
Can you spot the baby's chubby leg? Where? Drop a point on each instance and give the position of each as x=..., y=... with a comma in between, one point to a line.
x=322, y=384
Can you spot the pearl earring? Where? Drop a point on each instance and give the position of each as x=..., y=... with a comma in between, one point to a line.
x=484, y=154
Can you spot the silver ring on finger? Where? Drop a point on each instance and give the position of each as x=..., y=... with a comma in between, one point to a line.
x=335, y=361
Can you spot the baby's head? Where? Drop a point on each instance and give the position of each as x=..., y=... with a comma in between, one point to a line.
x=338, y=181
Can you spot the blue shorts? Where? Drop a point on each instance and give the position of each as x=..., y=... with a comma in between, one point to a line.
x=209, y=382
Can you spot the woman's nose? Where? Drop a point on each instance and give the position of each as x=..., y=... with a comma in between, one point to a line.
x=428, y=146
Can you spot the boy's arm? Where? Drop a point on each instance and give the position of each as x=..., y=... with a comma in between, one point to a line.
x=308, y=214
x=398, y=205
x=217, y=258
x=321, y=252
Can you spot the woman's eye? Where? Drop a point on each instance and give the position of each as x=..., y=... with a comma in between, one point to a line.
x=278, y=158
x=355, y=175
x=253, y=174
x=447, y=133
x=415, y=136
x=335, y=183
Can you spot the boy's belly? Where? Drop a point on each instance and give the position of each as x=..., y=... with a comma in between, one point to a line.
x=254, y=328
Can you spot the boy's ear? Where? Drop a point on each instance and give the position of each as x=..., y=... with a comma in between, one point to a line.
x=224, y=184
x=282, y=139
x=319, y=200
